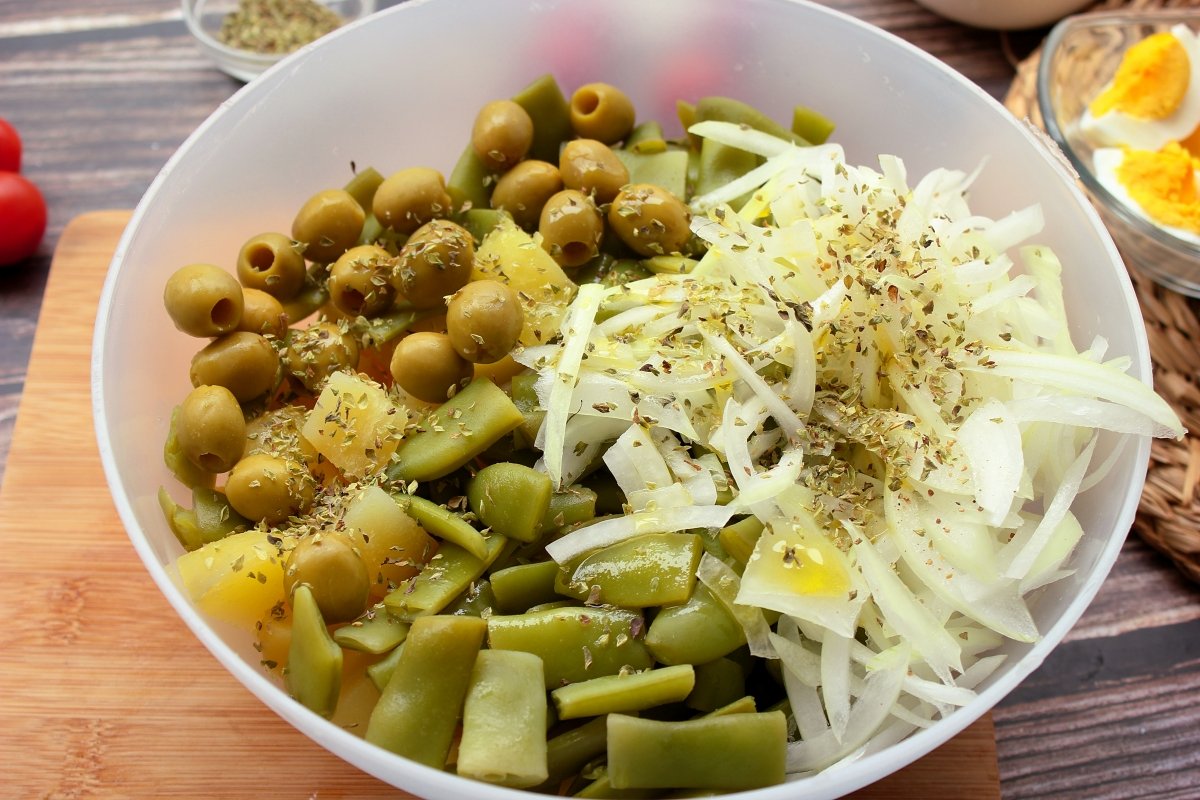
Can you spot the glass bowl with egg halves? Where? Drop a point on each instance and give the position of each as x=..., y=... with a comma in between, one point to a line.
x=1081, y=58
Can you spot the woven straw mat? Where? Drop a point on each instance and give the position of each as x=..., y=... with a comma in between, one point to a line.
x=1169, y=514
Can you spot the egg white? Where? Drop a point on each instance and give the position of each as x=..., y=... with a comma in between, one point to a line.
x=1117, y=128
x=1105, y=163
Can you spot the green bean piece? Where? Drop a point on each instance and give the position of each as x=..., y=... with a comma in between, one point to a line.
x=523, y=586
x=646, y=137
x=726, y=109
x=525, y=398
x=381, y=671
x=721, y=164
x=209, y=519
x=180, y=465
x=376, y=632
x=363, y=185
x=419, y=709
x=575, y=643
x=667, y=169
x=669, y=265
x=544, y=101
x=568, y=752
x=624, y=692
x=474, y=601
x=468, y=182
x=735, y=751
x=448, y=574
x=314, y=669
x=743, y=705
x=479, y=222
x=511, y=499
x=602, y=787
x=686, y=113
x=694, y=632
x=568, y=506
x=654, y=569
x=739, y=538
x=551, y=605
x=718, y=683
x=607, y=270
x=609, y=497
x=386, y=327
x=504, y=720
x=305, y=304
x=810, y=125
x=462, y=428
x=372, y=230
x=444, y=524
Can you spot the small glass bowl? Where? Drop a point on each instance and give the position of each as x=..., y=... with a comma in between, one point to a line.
x=1079, y=59
x=204, y=19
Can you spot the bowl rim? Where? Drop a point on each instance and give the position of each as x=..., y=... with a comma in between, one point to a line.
x=1112, y=204
x=431, y=782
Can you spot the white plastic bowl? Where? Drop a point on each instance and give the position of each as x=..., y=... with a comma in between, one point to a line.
x=402, y=88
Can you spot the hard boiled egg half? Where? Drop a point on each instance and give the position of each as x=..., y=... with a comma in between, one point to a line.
x=1162, y=185
x=1154, y=98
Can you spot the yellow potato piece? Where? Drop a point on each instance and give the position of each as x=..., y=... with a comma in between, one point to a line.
x=237, y=579
x=392, y=544
x=510, y=255
x=355, y=425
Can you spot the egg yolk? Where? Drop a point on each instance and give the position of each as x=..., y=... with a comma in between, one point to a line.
x=1163, y=183
x=1192, y=142
x=1151, y=81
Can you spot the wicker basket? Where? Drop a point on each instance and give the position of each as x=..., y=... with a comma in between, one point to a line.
x=1169, y=513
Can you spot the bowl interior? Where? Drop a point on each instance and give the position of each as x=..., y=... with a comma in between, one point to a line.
x=401, y=89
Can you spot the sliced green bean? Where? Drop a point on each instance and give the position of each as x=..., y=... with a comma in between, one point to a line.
x=363, y=185
x=419, y=709
x=602, y=787
x=386, y=327
x=726, y=109
x=180, y=465
x=476, y=600
x=381, y=671
x=377, y=632
x=574, y=643
x=448, y=574
x=568, y=752
x=721, y=164
x=462, y=428
x=743, y=705
x=551, y=116
x=504, y=720
x=624, y=692
x=694, y=632
x=203, y=523
x=444, y=524
x=810, y=125
x=519, y=588
x=735, y=751
x=314, y=670
x=654, y=569
x=739, y=538
x=669, y=265
x=511, y=499
x=718, y=683
x=468, y=182
x=686, y=113
x=667, y=168
x=311, y=297
x=646, y=137
x=479, y=222
x=568, y=506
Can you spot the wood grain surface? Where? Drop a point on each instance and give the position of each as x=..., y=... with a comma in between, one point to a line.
x=104, y=692
x=104, y=91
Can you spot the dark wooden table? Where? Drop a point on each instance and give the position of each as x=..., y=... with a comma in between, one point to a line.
x=103, y=91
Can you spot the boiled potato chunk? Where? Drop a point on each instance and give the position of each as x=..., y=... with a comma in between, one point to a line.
x=237, y=579
x=392, y=544
x=510, y=255
x=355, y=425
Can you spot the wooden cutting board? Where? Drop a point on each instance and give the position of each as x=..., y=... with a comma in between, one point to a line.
x=104, y=692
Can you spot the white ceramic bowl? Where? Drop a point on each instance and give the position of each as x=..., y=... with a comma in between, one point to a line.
x=402, y=88
x=1005, y=15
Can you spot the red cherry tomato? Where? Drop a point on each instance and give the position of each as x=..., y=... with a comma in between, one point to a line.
x=10, y=148
x=22, y=218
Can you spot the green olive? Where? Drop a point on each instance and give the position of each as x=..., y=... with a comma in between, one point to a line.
x=273, y=263
x=263, y=314
x=427, y=366
x=650, y=220
x=334, y=571
x=267, y=488
x=571, y=228
x=600, y=111
x=524, y=190
x=484, y=321
x=203, y=300
x=435, y=262
x=502, y=134
x=359, y=281
x=408, y=199
x=244, y=363
x=592, y=168
x=316, y=352
x=211, y=428
x=329, y=223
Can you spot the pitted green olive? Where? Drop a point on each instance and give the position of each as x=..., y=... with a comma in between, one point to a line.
x=244, y=363
x=524, y=190
x=316, y=352
x=273, y=263
x=484, y=321
x=502, y=134
x=650, y=220
x=427, y=366
x=269, y=489
x=592, y=168
x=203, y=300
x=360, y=281
x=334, y=571
x=328, y=224
x=571, y=228
x=601, y=111
x=263, y=314
x=434, y=263
x=408, y=199
x=211, y=428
